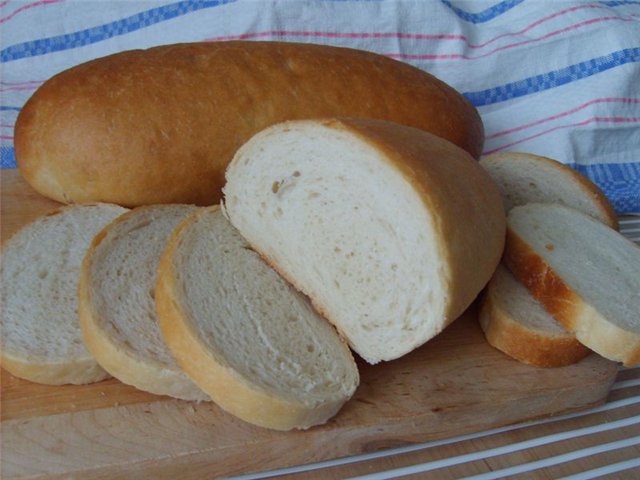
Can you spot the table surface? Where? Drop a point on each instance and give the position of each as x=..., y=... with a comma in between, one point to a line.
x=600, y=442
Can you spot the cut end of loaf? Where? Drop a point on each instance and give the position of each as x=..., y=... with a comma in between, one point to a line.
x=339, y=221
x=359, y=215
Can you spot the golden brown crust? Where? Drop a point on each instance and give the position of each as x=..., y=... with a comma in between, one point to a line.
x=525, y=345
x=79, y=371
x=110, y=130
x=600, y=200
x=469, y=213
x=566, y=306
x=226, y=387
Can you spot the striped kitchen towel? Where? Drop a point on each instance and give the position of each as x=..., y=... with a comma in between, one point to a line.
x=551, y=77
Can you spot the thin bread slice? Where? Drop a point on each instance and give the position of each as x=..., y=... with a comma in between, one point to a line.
x=244, y=335
x=117, y=306
x=526, y=178
x=41, y=339
x=516, y=324
x=391, y=231
x=586, y=275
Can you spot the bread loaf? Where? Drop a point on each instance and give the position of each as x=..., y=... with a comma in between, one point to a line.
x=391, y=231
x=41, y=339
x=246, y=337
x=526, y=178
x=160, y=125
x=583, y=272
x=116, y=301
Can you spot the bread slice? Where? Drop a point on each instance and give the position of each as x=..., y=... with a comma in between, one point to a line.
x=509, y=309
x=585, y=274
x=246, y=337
x=526, y=178
x=516, y=324
x=391, y=231
x=117, y=306
x=41, y=339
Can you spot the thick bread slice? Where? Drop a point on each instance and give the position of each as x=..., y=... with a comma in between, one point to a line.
x=391, y=231
x=117, y=306
x=246, y=337
x=516, y=324
x=526, y=178
x=41, y=339
x=585, y=274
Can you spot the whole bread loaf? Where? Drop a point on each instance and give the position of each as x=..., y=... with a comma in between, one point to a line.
x=160, y=125
x=391, y=231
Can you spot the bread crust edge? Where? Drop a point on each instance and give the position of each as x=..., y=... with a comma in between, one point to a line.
x=565, y=305
x=527, y=346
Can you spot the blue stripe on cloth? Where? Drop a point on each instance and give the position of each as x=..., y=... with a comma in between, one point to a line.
x=103, y=32
x=485, y=15
x=553, y=79
x=7, y=157
x=617, y=3
x=619, y=181
x=4, y=108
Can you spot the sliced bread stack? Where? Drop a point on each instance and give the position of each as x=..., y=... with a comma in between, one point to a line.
x=239, y=333
x=521, y=321
x=41, y=339
x=586, y=275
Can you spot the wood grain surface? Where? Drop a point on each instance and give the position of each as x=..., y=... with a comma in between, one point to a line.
x=454, y=384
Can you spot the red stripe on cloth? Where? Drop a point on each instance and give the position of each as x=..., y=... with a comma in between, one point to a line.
x=15, y=89
x=561, y=127
x=27, y=82
x=564, y=114
x=26, y=7
x=417, y=36
x=405, y=56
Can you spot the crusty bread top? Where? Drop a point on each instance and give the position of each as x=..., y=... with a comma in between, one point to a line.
x=108, y=130
x=526, y=178
x=583, y=272
x=117, y=307
x=247, y=338
x=377, y=222
x=41, y=338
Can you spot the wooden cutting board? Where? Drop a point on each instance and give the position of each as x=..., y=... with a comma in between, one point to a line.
x=455, y=384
